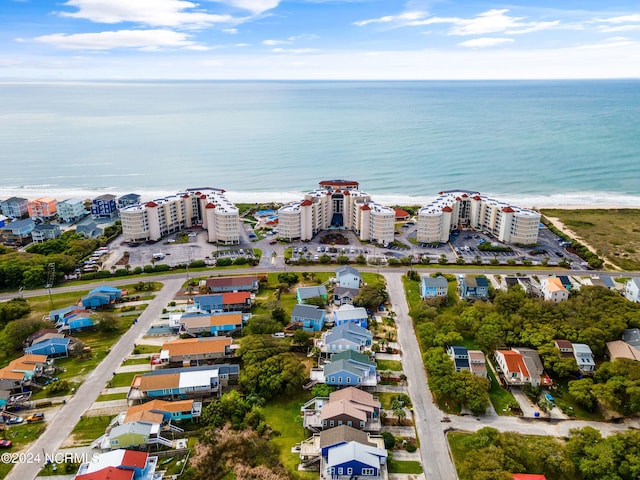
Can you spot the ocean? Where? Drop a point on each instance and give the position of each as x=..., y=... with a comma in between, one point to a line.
x=532, y=143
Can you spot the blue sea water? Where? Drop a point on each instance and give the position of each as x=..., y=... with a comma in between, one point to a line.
x=529, y=142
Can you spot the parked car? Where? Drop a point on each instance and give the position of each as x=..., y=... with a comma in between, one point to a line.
x=5, y=443
x=35, y=417
x=15, y=421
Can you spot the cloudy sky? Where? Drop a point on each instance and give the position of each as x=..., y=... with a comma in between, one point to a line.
x=318, y=39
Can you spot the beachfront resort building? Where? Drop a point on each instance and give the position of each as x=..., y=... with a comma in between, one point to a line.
x=455, y=209
x=336, y=204
x=205, y=207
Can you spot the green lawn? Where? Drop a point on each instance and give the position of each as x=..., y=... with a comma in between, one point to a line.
x=569, y=406
x=20, y=436
x=392, y=365
x=105, y=397
x=143, y=349
x=88, y=429
x=404, y=466
x=500, y=398
x=283, y=415
x=137, y=361
x=123, y=379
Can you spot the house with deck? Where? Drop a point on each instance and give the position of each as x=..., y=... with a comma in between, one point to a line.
x=15, y=207
x=348, y=277
x=310, y=317
x=51, y=346
x=350, y=314
x=43, y=209
x=348, y=336
x=477, y=363
x=224, y=323
x=45, y=231
x=433, y=287
x=473, y=287
x=119, y=464
x=350, y=368
x=348, y=406
x=101, y=297
x=71, y=210
x=584, y=358
x=344, y=295
x=22, y=372
x=553, y=290
x=521, y=366
x=632, y=290
x=244, y=283
x=222, y=302
x=354, y=459
x=128, y=200
x=460, y=357
x=104, y=206
x=305, y=293
x=189, y=352
x=182, y=383
x=18, y=232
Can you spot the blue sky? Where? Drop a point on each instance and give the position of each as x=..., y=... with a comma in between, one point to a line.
x=318, y=39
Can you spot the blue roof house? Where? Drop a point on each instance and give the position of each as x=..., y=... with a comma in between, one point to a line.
x=460, y=357
x=305, y=293
x=472, y=288
x=74, y=322
x=354, y=459
x=60, y=313
x=52, y=348
x=348, y=336
x=348, y=277
x=310, y=316
x=350, y=314
x=101, y=296
x=433, y=287
x=350, y=368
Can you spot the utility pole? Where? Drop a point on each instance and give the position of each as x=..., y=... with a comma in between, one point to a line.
x=51, y=276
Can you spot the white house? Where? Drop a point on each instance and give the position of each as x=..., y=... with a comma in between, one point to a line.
x=584, y=357
x=348, y=277
x=632, y=289
x=553, y=290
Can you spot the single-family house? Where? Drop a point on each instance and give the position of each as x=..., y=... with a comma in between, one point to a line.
x=90, y=229
x=350, y=314
x=565, y=281
x=603, y=281
x=348, y=336
x=619, y=349
x=433, y=287
x=119, y=465
x=195, y=351
x=128, y=200
x=477, y=363
x=350, y=368
x=101, y=296
x=353, y=459
x=319, y=443
x=52, y=347
x=223, y=302
x=104, y=206
x=305, y=293
x=17, y=232
x=584, y=358
x=565, y=347
x=343, y=295
x=460, y=357
x=521, y=366
x=43, y=208
x=311, y=317
x=182, y=383
x=15, y=207
x=45, y=231
x=474, y=287
x=22, y=371
x=71, y=210
x=348, y=406
x=222, y=323
x=348, y=277
x=632, y=289
x=553, y=290
x=245, y=283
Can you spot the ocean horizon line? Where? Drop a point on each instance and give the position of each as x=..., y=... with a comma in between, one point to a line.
x=574, y=200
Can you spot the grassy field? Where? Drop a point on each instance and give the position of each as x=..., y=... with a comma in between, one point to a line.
x=145, y=349
x=283, y=415
x=87, y=430
x=392, y=365
x=404, y=466
x=500, y=398
x=105, y=397
x=137, y=361
x=614, y=234
x=123, y=379
x=20, y=436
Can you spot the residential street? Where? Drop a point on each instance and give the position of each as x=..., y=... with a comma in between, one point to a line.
x=436, y=461
x=59, y=428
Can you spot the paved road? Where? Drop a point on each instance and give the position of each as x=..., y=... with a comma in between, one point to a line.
x=59, y=428
x=436, y=461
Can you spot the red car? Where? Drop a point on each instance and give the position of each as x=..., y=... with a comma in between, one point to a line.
x=5, y=443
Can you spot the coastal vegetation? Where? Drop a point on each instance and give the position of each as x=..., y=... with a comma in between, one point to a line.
x=584, y=455
x=613, y=233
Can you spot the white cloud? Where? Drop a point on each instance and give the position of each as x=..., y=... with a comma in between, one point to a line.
x=621, y=19
x=231, y=31
x=619, y=28
x=272, y=42
x=491, y=21
x=485, y=42
x=403, y=18
x=254, y=6
x=166, y=13
x=294, y=50
x=138, y=39
x=610, y=43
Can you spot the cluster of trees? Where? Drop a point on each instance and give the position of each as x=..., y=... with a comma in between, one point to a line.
x=449, y=386
x=269, y=368
x=13, y=309
x=585, y=455
x=616, y=383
